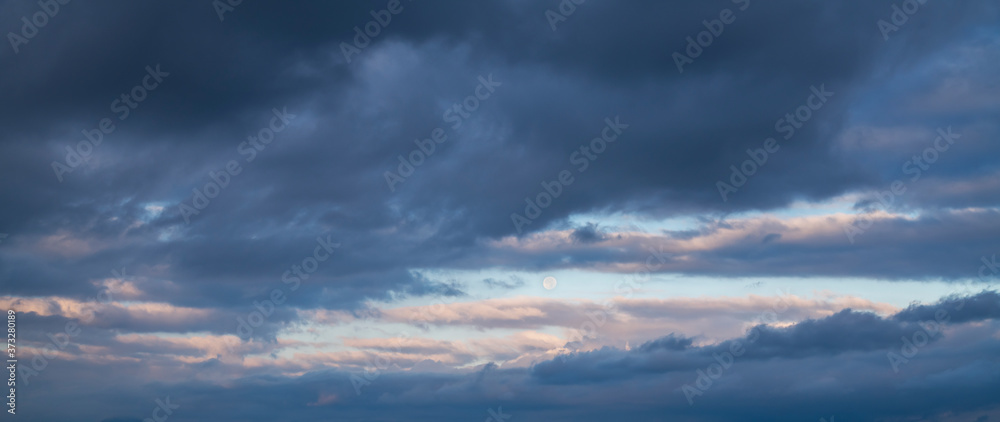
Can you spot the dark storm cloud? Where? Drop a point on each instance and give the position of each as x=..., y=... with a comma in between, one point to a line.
x=324, y=173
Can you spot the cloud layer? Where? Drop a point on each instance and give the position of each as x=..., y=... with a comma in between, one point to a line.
x=246, y=205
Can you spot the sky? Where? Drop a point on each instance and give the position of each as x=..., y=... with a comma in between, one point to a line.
x=510, y=210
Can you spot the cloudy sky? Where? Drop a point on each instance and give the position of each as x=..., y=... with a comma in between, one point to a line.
x=510, y=210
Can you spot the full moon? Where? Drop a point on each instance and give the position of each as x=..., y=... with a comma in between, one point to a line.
x=549, y=283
